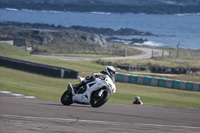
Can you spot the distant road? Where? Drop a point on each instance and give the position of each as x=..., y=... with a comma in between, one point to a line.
x=146, y=53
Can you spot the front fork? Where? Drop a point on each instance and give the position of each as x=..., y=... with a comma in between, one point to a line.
x=102, y=91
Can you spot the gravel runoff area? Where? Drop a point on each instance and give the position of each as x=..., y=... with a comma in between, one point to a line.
x=146, y=53
x=39, y=116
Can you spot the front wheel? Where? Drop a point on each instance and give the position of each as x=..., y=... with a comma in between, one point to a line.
x=97, y=101
x=66, y=98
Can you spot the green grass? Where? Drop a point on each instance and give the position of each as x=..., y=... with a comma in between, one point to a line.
x=9, y=50
x=112, y=50
x=187, y=59
x=82, y=55
x=32, y=84
x=44, y=87
x=84, y=67
x=165, y=62
x=155, y=96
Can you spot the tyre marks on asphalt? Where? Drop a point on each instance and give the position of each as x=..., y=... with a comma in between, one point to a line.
x=28, y=115
x=15, y=94
x=42, y=124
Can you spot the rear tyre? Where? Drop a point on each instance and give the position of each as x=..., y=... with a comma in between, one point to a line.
x=97, y=101
x=66, y=98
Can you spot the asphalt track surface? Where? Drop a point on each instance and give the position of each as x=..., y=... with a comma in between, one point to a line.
x=49, y=116
x=146, y=53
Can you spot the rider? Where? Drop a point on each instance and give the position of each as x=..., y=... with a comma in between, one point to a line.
x=137, y=100
x=110, y=71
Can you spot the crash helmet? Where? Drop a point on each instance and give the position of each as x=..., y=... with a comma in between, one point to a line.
x=110, y=70
x=137, y=98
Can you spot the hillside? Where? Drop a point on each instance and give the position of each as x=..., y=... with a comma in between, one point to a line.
x=9, y=50
x=119, y=6
x=50, y=39
x=54, y=40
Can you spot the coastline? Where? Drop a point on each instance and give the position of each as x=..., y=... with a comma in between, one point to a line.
x=100, y=12
x=112, y=6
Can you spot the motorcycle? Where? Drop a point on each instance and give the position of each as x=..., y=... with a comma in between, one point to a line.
x=95, y=92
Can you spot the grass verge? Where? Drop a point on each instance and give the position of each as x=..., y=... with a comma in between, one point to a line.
x=52, y=88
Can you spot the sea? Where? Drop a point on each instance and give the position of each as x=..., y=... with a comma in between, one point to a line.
x=172, y=29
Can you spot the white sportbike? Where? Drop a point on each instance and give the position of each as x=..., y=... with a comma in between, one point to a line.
x=95, y=93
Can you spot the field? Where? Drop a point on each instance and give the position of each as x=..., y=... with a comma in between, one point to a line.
x=52, y=88
x=186, y=59
x=44, y=87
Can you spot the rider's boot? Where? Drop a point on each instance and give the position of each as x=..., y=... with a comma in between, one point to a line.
x=82, y=81
x=71, y=89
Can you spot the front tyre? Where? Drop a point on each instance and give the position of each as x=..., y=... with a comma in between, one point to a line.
x=97, y=101
x=66, y=98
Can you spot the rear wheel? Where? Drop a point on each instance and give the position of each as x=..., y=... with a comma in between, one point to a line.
x=97, y=101
x=66, y=98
